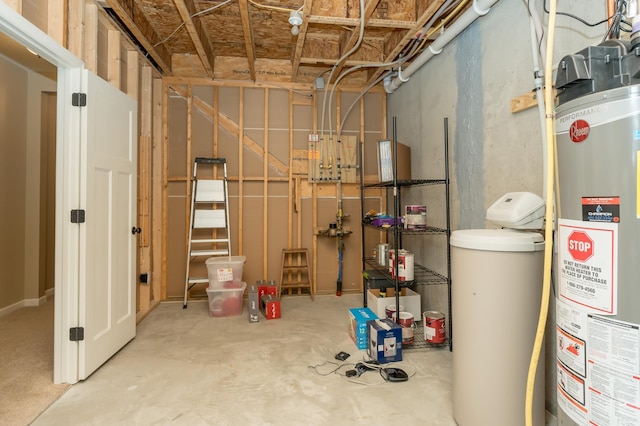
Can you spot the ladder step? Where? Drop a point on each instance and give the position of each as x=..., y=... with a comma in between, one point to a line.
x=210, y=240
x=294, y=267
x=217, y=252
x=209, y=191
x=295, y=284
x=198, y=280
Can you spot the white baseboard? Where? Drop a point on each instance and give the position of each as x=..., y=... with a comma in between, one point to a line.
x=27, y=303
x=11, y=308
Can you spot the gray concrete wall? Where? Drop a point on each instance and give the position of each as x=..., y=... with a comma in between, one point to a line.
x=492, y=151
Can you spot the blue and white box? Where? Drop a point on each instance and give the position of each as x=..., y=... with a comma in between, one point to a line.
x=358, y=318
x=385, y=341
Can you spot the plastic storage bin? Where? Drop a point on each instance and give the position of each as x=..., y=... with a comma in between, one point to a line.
x=226, y=302
x=225, y=271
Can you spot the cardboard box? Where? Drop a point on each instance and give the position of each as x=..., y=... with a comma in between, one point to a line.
x=262, y=288
x=272, y=288
x=270, y=306
x=408, y=298
x=386, y=161
x=385, y=341
x=358, y=318
x=254, y=305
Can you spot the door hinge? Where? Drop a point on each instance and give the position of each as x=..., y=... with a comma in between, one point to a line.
x=76, y=334
x=77, y=216
x=79, y=99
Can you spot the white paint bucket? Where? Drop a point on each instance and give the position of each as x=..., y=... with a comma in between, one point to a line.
x=407, y=322
x=405, y=266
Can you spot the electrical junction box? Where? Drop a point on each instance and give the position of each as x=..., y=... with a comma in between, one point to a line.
x=517, y=210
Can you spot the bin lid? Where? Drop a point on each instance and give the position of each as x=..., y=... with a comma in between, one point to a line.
x=497, y=240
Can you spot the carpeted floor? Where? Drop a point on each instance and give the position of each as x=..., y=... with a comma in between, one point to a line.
x=26, y=364
x=186, y=368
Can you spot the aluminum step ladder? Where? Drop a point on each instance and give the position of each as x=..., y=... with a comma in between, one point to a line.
x=209, y=218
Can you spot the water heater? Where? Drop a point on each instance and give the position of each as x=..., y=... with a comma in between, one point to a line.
x=598, y=236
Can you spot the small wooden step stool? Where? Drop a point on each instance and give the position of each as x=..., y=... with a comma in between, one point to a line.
x=295, y=271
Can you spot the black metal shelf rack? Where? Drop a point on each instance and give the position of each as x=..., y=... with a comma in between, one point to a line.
x=422, y=275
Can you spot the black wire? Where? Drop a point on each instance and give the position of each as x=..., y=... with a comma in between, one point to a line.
x=334, y=371
x=579, y=18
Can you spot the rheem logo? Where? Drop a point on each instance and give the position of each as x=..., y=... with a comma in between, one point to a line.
x=579, y=131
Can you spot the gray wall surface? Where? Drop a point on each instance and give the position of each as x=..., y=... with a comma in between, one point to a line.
x=492, y=151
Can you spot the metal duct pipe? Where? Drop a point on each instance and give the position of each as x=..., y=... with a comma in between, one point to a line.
x=478, y=9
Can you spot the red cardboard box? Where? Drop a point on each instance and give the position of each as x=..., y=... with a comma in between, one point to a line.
x=270, y=306
x=272, y=288
x=262, y=289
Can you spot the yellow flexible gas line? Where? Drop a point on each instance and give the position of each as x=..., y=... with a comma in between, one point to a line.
x=548, y=232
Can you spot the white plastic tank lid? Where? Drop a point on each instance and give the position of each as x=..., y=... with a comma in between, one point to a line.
x=497, y=240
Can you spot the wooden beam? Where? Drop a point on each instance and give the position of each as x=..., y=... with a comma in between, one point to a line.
x=158, y=270
x=56, y=21
x=136, y=21
x=302, y=35
x=133, y=76
x=15, y=5
x=197, y=33
x=408, y=35
x=523, y=102
x=240, y=174
x=90, y=49
x=113, y=58
x=265, y=188
x=75, y=25
x=248, y=37
x=369, y=8
x=355, y=22
x=165, y=174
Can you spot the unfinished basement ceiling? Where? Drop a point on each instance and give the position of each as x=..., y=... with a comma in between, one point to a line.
x=252, y=39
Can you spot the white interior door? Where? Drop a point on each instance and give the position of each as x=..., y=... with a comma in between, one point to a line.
x=107, y=308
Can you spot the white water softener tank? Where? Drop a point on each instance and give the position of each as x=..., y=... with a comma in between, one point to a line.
x=598, y=237
x=496, y=287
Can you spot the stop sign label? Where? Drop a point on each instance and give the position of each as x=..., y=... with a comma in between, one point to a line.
x=580, y=246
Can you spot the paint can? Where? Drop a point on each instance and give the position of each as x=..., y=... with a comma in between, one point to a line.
x=415, y=217
x=408, y=325
x=434, y=331
x=405, y=266
x=382, y=254
x=391, y=262
x=390, y=310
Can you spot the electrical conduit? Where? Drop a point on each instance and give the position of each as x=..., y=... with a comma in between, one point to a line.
x=548, y=232
x=478, y=9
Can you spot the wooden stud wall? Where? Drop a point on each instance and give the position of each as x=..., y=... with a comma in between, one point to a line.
x=263, y=133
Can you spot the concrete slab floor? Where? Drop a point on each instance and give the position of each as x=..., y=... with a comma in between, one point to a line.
x=187, y=368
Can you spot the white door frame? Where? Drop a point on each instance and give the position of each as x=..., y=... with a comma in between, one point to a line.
x=65, y=367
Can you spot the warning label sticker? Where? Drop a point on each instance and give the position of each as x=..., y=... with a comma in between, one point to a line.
x=601, y=209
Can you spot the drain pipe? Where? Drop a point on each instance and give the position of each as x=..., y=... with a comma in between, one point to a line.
x=478, y=9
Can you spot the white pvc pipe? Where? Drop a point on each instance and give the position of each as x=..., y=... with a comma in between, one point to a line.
x=478, y=9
